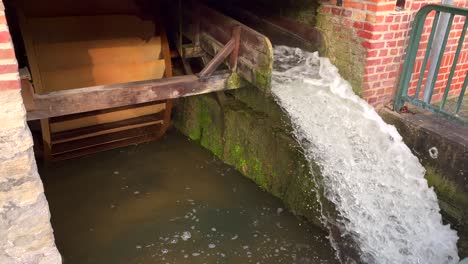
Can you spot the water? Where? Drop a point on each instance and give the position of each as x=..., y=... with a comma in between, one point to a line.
x=171, y=202
x=376, y=184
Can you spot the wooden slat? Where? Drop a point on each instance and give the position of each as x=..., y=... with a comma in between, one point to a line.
x=74, y=133
x=101, y=74
x=108, y=96
x=107, y=146
x=255, y=50
x=166, y=51
x=75, y=7
x=97, y=52
x=103, y=139
x=106, y=117
x=98, y=112
x=220, y=56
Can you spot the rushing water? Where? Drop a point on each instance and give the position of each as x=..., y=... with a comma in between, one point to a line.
x=171, y=201
x=376, y=184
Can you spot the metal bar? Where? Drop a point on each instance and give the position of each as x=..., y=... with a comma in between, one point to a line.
x=454, y=65
x=408, y=65
x=426, y=56
x=428, y=97
x=437, y=49
x=462, y=94
x=87, y=99
x=402, y=94
x=218, y=59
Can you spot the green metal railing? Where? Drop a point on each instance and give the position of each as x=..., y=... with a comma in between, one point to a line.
x=408, y=67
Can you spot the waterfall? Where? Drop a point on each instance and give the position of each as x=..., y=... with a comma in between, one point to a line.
x=376, y=184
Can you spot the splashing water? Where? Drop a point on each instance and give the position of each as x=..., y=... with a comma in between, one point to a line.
x=376, y=184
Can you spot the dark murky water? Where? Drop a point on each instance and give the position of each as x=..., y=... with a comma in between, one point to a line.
x=171, y=201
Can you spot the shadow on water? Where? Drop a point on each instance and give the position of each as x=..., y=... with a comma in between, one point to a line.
x=171, y=202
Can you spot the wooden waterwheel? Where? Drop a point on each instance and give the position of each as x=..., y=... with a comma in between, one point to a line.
x=73, y=45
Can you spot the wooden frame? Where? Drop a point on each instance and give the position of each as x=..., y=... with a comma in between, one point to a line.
x=250, y=56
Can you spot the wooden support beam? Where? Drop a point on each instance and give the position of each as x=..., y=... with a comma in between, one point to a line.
x=108, y=96
x=236, y=32
x=218, y=59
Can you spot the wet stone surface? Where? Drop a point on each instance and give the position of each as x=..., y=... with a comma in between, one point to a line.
x=171, y=202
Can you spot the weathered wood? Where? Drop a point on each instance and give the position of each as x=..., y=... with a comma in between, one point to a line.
x=218, y=59
x=108, y=96
x=103, y=139
x=107, y=146
x=255, y=50
x=192, y=51
x=236, y=32
x=167, y=74
x=92, y=130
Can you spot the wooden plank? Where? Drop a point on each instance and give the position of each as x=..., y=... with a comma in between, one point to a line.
x=81, y=51
x=245, y=67
x=167, y=74
x=107, y=131
x=75, y=8
x=114, y=116
x=74, y=133
x=88, y=28
x=27, y=92
x=108, y=96
x=220, y=56
x=98, y=112
x=255, y=50
x=236, y=31
x=92, y=75
x=46, y=138
x=103, y=139
x=96, y=52
x=107, y=146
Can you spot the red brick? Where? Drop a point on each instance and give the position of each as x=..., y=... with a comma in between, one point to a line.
x=5, y=36
x=394, y=27
x=356, y=5
x=7, y=54
x=383, y=53
x=358, y=25
x=389, y=35
x=8, y=68
x=347, y=13
x=373, y=45
x=325, y=9
x=391, y=44
x=336, y=11
x=9, y=85
x=372, y=62
x=364, y=34
x=372, y=53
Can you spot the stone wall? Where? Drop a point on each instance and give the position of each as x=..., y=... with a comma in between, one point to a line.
x=26, y=235
x=248, y=130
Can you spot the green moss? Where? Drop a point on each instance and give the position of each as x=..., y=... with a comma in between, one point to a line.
x=235, y=81
x=262, y=80
x=445, y=189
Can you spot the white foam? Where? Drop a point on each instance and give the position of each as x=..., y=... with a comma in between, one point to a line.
x=375, y=182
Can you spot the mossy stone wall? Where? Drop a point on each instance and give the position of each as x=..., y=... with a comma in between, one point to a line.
x=248, y=130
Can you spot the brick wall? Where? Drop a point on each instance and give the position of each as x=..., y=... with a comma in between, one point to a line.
x=447, y=59
x=26, y=235
x=375, y=30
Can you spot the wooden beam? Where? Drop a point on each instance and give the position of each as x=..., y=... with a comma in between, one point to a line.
x=108, y=96
x=236, y=32
x=218, y=59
